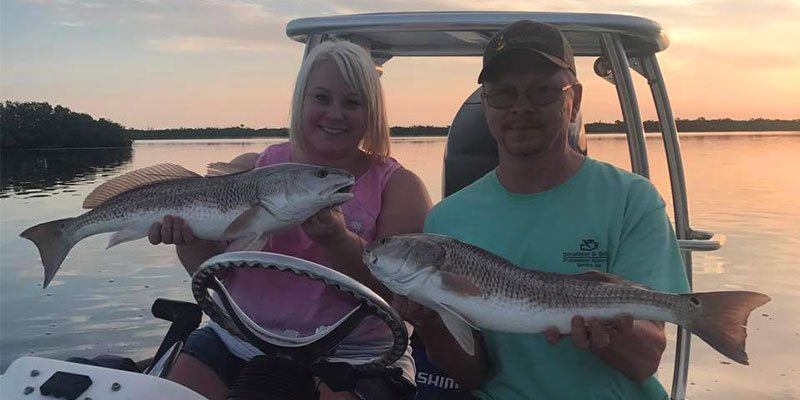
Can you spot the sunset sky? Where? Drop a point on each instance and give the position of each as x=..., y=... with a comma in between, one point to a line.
x=186, y=63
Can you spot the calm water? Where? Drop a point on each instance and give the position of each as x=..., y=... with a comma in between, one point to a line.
x=743, y=185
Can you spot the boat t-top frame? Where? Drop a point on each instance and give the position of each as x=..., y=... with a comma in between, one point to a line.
x=620, y=43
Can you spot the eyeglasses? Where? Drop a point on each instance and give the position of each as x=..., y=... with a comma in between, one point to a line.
x=505, y=97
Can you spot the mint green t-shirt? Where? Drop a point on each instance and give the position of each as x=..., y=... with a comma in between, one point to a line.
x=602, y=218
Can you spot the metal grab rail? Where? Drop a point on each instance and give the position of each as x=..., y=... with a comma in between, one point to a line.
x=669, y=133
x=702, y=241
x=689, y=240
x=637, y=147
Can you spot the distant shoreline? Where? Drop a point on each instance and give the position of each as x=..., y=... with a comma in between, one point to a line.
x=593, y=128
x=32, y=125
x=609, y=134
x=440, y=132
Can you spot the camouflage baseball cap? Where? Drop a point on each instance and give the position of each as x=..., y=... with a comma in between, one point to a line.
x=536, y=37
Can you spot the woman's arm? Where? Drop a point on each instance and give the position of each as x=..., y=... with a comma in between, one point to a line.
x=405, y=204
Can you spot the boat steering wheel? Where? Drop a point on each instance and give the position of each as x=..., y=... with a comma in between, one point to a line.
x=334, y=353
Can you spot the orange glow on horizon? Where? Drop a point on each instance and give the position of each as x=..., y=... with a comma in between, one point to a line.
x=118, y=61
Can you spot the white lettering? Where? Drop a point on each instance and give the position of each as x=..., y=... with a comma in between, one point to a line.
x=443, y=382
x=449, y=383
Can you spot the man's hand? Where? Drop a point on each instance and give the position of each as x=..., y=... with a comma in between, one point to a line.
x=413, y=312
x=171, y=230
x=595, y=334
x=441, y=348
x=631, y=347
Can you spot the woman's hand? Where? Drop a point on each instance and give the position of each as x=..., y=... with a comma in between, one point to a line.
x=327, y=227
x=416, y=314
x=171, y=230
x=191, y=250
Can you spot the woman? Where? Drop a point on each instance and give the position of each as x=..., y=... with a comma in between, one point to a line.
x=338, y=120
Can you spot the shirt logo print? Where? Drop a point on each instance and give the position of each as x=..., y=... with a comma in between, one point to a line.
x=589, y=244
x=589, y=256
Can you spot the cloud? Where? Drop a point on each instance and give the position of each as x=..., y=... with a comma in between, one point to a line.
x=176, y=24
x=728, y=45
x=71, y=24
x=251, y=13
x=739, y=58
x=200, y=44
x=264, y=20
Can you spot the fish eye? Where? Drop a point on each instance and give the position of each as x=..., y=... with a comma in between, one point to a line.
x=383, y=241
x=321, y=173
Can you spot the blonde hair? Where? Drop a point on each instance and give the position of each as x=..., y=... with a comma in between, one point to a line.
x=360, y=73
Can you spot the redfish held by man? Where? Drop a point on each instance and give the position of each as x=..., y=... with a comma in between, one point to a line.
x=471, y=288
x=239, y=206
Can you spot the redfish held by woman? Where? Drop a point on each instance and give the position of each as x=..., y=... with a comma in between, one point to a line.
x=241, y=207
x=471, y=288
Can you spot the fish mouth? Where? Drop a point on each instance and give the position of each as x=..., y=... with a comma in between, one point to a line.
x=339, y=193
x=369, y=258
x=391, y=268
x=371, y=261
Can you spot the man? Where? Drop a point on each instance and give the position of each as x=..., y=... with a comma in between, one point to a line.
x=548, y=207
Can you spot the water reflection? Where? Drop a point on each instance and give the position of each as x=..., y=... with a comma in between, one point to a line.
x=42, y=173
x=742, y=185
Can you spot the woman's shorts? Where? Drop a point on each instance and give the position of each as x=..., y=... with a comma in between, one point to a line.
x=204, y=345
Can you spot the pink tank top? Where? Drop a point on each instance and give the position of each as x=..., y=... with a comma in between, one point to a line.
x=270, y=296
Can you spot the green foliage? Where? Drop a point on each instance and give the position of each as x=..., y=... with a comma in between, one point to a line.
x=242, y=132
x=207, y=133
x=704, y=125
x=419, y=130
x=39, y=125
x=684, y=125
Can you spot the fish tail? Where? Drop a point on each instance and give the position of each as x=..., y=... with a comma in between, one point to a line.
x=53, y=244
x=722, y=319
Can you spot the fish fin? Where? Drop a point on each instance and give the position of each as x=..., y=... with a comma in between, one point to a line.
x=246, y=224
x=459, y=328
x=243, y=232
x=459, y=316
x=262, y=241
x=223, y=168
x=722, y=319
x=53, y=244
x=134, y=179
x=251, y=242
x=459, y=284
x=124, y=236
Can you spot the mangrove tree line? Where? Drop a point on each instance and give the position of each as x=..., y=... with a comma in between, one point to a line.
x=40, y=125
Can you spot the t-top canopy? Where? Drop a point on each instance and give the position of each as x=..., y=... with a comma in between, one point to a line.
x=467, y=33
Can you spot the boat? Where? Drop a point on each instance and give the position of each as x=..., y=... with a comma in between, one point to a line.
x=620, y=46
x=365, y=341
